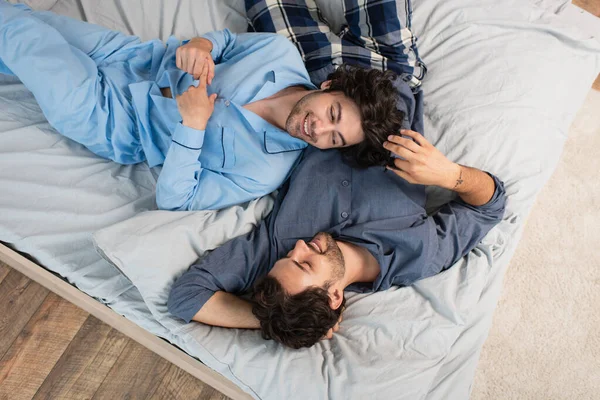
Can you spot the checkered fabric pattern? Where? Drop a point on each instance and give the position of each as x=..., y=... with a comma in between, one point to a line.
x=376, y=35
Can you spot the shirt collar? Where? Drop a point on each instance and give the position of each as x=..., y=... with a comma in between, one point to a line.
x=278, y=141
x=267, y=89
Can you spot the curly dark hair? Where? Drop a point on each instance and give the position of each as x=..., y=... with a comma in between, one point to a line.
x=374, y=93
x=295, y=321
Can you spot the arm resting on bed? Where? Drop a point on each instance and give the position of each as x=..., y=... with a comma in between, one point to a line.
x=206, y=292
x=457, y=227
x=227, y=310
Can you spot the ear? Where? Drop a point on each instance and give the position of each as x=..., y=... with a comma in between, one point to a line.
x=336, y=296
x=326, y=85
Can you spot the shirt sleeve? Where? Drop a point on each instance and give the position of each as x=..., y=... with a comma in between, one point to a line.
x=184, y=184
x=232, y=268
x=457, y=227
x=222, y=41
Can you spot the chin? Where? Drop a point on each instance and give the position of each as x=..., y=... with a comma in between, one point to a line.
x=295, y=130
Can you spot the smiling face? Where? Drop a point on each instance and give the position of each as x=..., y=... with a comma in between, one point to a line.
x=326, y=120
x=310, y=264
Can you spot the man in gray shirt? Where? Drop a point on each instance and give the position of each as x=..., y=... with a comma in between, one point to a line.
x=335, y=228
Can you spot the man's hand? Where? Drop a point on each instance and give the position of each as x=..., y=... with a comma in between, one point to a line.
x=335, y=328
x=421, y=162
x=195, y=106
x=194, y=55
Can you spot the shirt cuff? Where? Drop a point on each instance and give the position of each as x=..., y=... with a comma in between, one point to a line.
x=219, y=40
x=498, y=199
x=190, y=138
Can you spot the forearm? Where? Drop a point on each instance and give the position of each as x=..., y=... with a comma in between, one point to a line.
x=227, y=310
x=177, y=181
x=474, y=186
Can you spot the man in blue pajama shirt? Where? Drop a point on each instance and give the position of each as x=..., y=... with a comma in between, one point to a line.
x=232, y=138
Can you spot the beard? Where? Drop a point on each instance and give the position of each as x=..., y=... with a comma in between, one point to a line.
x=294, y=122
x=333, y=255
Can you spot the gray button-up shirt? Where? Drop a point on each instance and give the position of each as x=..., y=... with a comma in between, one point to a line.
x=370, y=207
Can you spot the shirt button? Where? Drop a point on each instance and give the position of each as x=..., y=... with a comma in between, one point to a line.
x=345, y=183
x=227, y=103
x=344, y=215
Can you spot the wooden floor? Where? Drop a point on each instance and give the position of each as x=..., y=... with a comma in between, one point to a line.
x=593, y=7
x=51, y=349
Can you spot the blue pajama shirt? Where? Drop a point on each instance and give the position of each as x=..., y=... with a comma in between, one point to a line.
x=101, y=88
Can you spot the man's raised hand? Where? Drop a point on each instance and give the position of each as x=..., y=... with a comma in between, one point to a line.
x=194, y=55
x=421, y=162
x=195, y=106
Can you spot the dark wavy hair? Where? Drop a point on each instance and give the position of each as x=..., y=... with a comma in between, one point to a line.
x=374, y=93
x=295, y=321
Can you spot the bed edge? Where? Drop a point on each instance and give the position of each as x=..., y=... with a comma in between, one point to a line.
x=153, y=343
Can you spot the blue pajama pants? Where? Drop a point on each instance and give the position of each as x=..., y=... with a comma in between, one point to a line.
x=79, y=74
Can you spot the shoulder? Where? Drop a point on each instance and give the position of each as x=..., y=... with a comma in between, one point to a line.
x=267, y=38
x=276, y=44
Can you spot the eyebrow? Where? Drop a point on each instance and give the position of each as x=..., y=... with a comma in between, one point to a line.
x=339, y=118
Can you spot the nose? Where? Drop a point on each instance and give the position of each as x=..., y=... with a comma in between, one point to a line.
x=299, y=249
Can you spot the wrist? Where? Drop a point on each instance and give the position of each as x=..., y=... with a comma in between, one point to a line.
x=204, y=42
x=455, y=179
x=194, y=124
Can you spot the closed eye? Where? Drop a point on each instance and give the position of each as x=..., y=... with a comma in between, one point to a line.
x=339, y=120
x=297, y=264
x=332, y=117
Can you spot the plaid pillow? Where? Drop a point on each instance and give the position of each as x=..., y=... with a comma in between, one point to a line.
x=377, y=35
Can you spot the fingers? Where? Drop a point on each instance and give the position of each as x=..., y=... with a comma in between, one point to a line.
x=178, y=58
x=402, y=165
x=211, y=72
x=401, y=173
x=198, y=67
x=329, y=334
x=213, y=98
x=191, y=62
x=407, y=143
x=399, y=150
x=336, y=327
x=204, y=74
x=420, y=139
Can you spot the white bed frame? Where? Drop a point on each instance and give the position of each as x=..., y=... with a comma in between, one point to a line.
x=161, y=347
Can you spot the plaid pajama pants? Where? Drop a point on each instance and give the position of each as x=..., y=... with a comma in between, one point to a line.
x=376, y=35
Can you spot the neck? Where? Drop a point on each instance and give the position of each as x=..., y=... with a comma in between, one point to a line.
x=360, y=264
x=277, y=108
